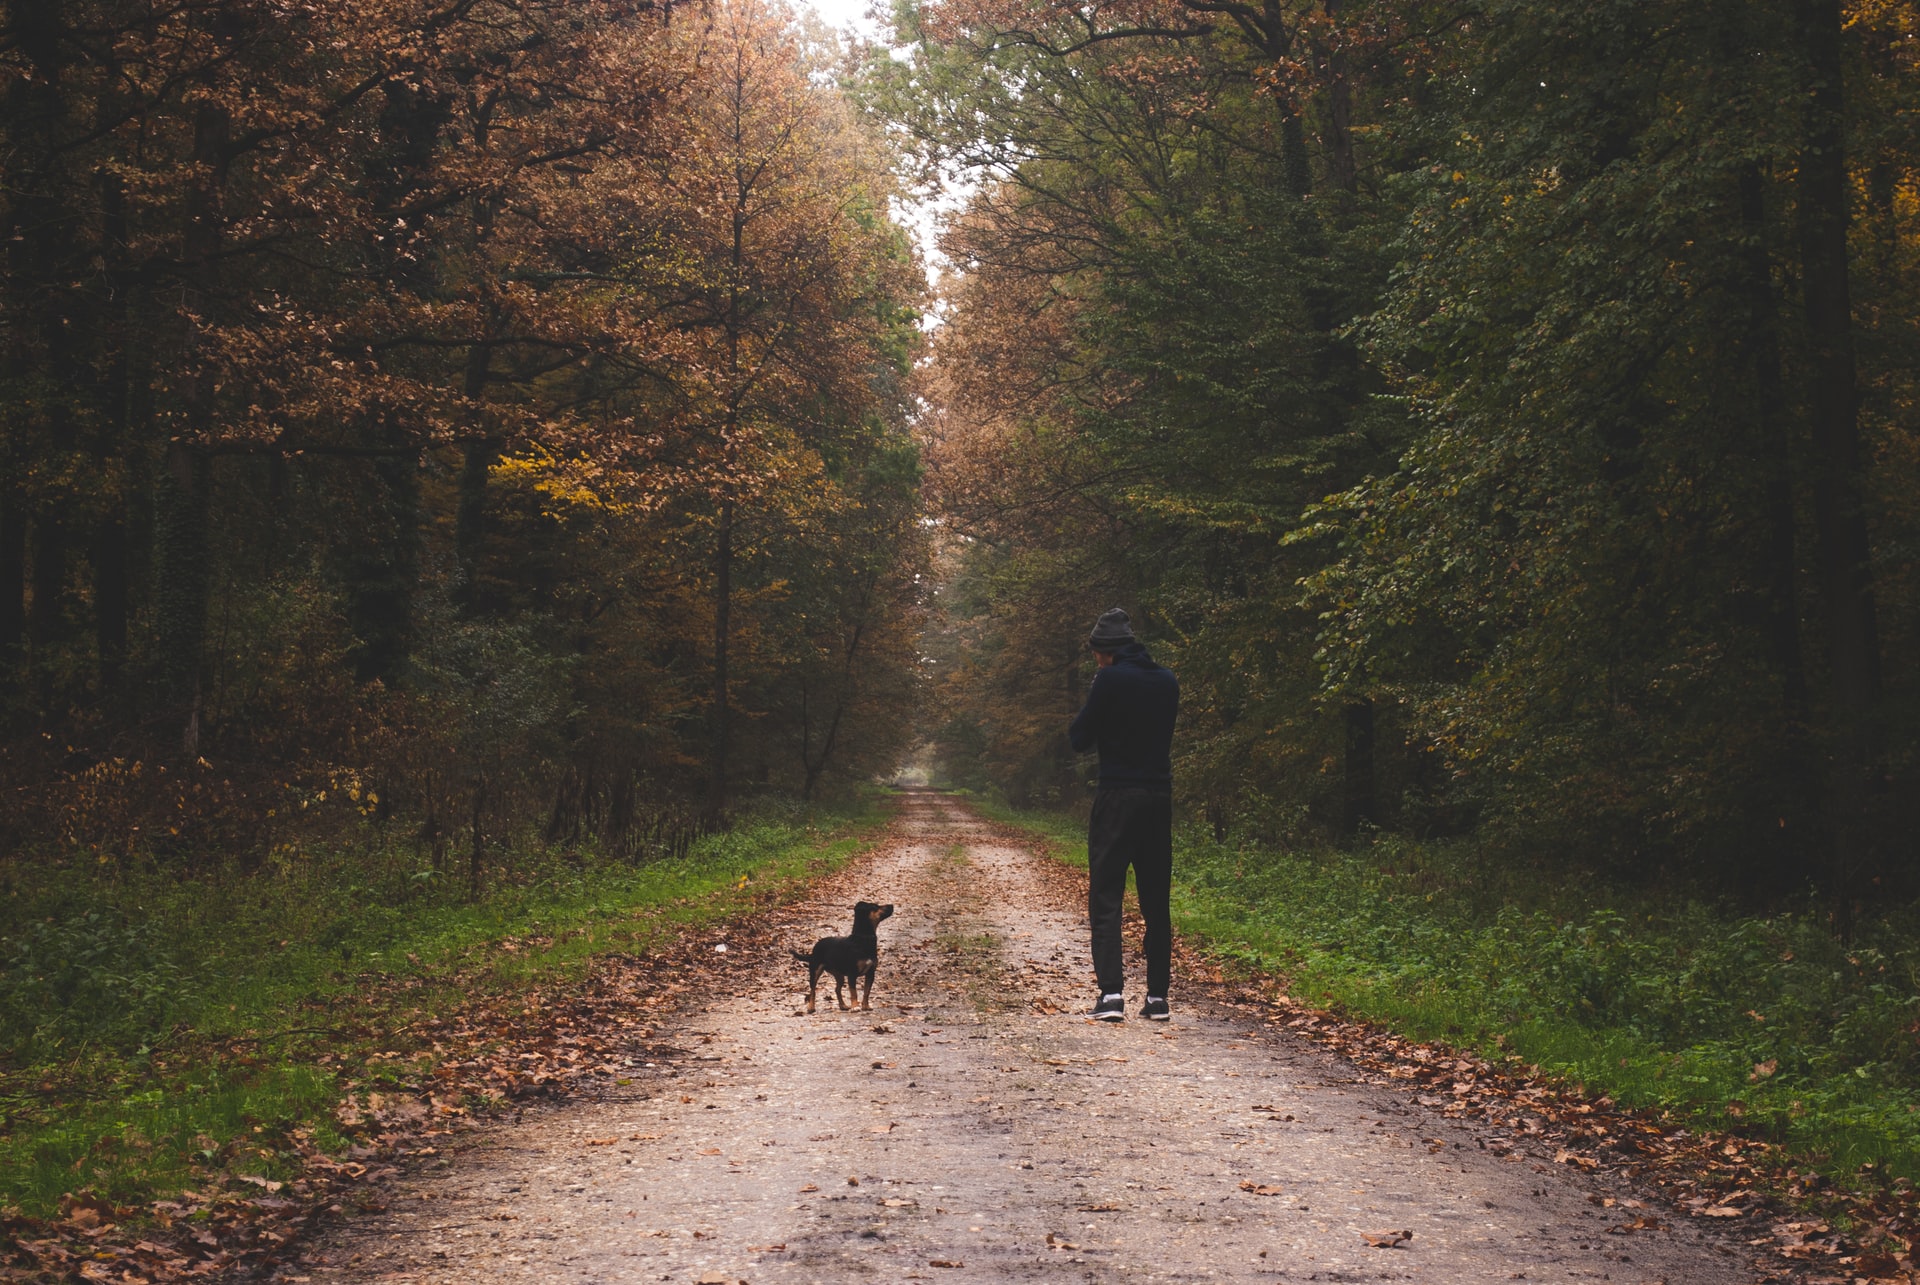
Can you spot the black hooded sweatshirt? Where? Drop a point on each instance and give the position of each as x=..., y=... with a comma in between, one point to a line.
x=1129, y=716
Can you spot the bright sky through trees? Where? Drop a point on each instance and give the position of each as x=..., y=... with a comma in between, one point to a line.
x=845, y=13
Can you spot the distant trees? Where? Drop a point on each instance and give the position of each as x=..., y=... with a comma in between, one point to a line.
x=1498, y=410
x=431, y=394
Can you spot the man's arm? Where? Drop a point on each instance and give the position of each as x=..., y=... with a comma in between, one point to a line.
x=1084, y=734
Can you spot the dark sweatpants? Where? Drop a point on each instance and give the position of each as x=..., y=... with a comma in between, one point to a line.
x=1130, y=828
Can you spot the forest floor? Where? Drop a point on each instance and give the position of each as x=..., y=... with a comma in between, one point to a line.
x=975, y=1125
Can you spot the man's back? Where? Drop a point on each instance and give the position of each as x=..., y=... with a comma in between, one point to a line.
x=1129, y=717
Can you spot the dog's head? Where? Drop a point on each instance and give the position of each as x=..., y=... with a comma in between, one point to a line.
x=868, y=914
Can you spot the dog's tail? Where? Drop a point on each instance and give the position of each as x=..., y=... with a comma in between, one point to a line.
x=805, y=957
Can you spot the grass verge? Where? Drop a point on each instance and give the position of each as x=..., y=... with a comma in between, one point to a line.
x=1764, y=1027
x=157, y=1034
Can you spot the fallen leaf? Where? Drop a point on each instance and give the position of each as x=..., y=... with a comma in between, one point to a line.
x=601, y=1142
x=708, y=1151
x=1260, y=1189
x=1099, y=1209
x=945, y=1262
x=1761, y=1070
x=810, y=1187
x=1386, y=1239
x=1722, y=1211
x=894, y=1202
x=1054, y=1242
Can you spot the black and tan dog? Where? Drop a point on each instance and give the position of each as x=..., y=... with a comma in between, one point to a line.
x=848, y=958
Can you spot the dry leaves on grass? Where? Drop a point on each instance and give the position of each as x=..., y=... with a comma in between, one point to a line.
x=1716, y=1176
x=437, y=1075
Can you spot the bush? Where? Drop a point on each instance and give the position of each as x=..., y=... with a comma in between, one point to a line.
x=88, y=975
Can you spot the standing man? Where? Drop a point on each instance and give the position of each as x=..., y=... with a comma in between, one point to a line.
x=1129, y=717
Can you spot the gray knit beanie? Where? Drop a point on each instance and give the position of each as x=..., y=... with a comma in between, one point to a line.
x=1111, y=632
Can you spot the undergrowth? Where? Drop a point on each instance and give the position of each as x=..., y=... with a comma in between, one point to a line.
x=153, y=1027
x=1769, y=1027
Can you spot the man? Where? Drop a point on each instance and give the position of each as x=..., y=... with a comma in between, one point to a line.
x=1129, y=717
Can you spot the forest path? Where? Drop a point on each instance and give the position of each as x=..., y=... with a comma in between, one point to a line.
x=991, y=1139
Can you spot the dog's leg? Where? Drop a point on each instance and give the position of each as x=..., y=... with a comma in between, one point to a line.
x=866, y=998
x=839, y=984
x=813, y=984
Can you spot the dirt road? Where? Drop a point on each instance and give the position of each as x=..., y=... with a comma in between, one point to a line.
x=961, y=1132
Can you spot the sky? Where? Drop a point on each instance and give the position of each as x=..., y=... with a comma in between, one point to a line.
x=921, y=217
x=845, y=13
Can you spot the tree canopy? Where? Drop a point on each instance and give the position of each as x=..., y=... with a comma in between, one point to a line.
x=1496, y=411
x=478, y=414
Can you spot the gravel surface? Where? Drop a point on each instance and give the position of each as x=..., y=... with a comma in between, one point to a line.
x=975, y=1126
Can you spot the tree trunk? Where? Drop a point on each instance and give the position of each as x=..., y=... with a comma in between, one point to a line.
x=110, y=551
x=1358, y=804
x=181, y=514
x=722, y=632
x=13, y=583
x=1342, y=170
x=470, y=516
x=1842, y=546
x=384, y=573
x=186, y=484
x=47, y=623
x=477, y=851
x=1772, y=450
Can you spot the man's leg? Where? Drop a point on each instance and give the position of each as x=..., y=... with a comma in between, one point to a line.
x=1151, y=844
x=1106, y=885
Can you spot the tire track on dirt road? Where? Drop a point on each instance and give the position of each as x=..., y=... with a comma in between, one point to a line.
x=963, y=1131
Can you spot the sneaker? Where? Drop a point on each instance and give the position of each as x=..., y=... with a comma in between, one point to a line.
x=1111, y=1008
x=1155, y=1009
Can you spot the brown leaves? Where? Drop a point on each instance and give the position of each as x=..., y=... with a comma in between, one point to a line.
x=1386, y=1239
x=497, y=1048
x=1711, y=1176
x=1259, y=1189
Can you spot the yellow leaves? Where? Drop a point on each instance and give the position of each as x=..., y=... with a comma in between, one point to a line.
x=568, y=486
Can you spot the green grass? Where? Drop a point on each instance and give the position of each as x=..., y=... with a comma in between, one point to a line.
x=1764, y=1026
x=154, y=1031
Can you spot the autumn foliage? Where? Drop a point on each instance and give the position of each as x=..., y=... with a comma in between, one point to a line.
x=1497, y=412
x=464, y=417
